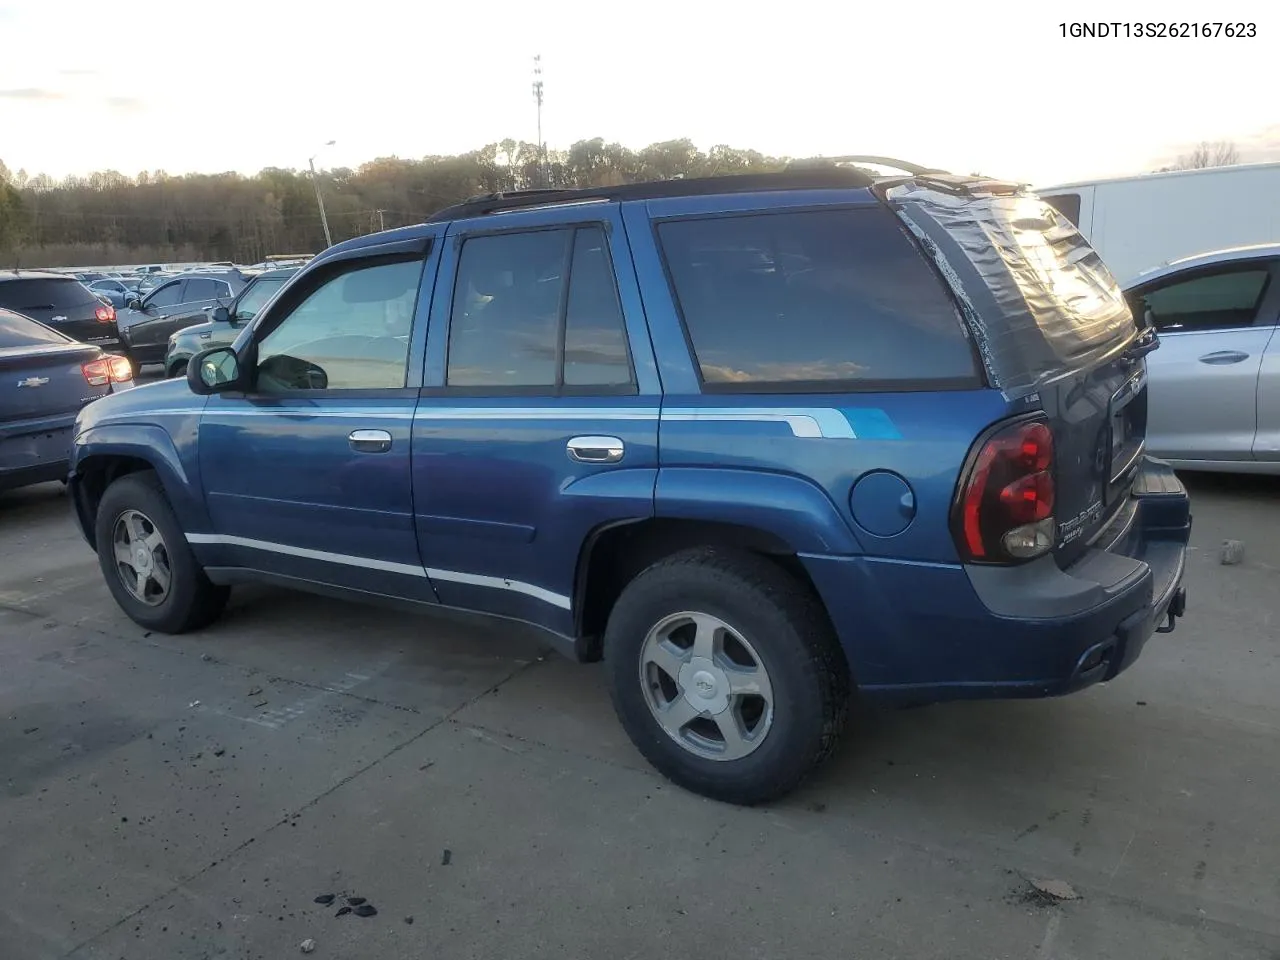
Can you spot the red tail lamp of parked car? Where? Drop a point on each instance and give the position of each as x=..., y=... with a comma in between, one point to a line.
x=1004, y=507
x=106, y=370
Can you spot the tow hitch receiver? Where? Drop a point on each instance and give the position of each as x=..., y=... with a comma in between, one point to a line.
x=1177, y=607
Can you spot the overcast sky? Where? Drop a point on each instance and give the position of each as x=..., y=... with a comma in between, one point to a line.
x=987, y=86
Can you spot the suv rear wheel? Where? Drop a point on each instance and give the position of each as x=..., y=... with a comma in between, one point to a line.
x=147, y=563
x=725, y=674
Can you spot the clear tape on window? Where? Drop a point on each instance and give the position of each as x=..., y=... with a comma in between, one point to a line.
x=1039, y=300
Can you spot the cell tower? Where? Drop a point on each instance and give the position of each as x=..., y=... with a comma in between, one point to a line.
x=537, y=98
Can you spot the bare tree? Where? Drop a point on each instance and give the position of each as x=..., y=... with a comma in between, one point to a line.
x=1223, y=153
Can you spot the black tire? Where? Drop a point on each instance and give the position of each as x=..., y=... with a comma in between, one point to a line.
x=179, y=369
x=192, y=601
x=785, y=624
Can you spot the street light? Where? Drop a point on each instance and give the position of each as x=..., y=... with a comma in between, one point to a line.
x=324, y=221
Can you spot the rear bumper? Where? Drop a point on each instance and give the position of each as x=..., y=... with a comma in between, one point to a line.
x=926, y=632
x=35, y=451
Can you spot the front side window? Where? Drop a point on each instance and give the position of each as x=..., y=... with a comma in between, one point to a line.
x=1220, y=300
x=167, y=296
x=537, y=310
x=814, y=298
x=350, y=333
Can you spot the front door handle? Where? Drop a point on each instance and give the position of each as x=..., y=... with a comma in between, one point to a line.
x=1224, y=356
x=595, y=449
x=370, y=441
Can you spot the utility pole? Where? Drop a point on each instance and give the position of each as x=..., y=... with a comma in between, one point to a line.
x=381, y=224
x=315, y=182
x=537, y=98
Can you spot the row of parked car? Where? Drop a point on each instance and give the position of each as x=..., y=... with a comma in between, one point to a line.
x=64, y=343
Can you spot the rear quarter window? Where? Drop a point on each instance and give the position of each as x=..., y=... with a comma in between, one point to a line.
x=818, y=300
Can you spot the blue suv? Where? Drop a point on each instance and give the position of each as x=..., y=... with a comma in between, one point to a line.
x=760, y=442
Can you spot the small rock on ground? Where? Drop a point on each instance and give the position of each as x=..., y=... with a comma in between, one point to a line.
x=306, y=946
x=1232, y=552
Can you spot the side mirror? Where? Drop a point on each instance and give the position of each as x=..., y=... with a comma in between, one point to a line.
x=133, y=303
x=220, y=315
x=213, y=371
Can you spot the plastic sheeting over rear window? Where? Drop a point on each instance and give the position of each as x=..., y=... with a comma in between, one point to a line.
x=1039, y=299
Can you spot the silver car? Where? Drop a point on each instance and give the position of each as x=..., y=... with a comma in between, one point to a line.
x=1214, y=383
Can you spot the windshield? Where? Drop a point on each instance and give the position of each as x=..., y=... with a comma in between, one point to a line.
x=41, y=293
x=256, y=296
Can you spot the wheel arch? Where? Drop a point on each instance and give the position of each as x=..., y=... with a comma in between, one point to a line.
x=104, y=454
x=614, y=553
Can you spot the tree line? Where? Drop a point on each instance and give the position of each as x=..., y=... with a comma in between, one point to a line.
x=111, y=218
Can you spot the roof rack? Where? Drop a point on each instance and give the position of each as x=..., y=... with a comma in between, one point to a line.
x=828, y=177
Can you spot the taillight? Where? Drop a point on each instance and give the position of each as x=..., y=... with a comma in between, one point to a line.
x=106, y=370
x=1004, y=503
x=105, y=313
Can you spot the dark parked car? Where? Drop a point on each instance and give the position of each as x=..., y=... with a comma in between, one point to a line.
x=226, y=322
x=147, y=322
x=762, y=442
x=60, y=302
x=45, y=378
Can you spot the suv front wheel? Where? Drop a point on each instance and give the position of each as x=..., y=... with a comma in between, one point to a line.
x=726, y=674
x=147, y=563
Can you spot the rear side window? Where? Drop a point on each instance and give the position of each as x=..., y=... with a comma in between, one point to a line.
x=16, y=331
x=813, y=300
x=200, y=288
x=538, y=312
x=45, y=294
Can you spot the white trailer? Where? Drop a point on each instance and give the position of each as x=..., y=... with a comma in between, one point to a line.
x=1138, y=223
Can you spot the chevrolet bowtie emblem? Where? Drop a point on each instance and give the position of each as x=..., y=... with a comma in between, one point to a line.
x=33, y=382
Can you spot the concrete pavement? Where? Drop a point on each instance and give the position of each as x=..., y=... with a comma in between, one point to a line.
x=166, y=798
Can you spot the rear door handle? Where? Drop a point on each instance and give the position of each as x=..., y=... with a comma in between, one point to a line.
x=595, y=449
x=1224, y=356
x=370, y=441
